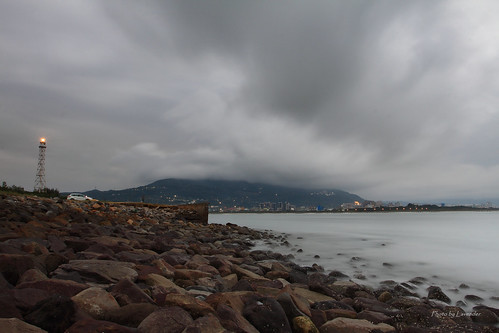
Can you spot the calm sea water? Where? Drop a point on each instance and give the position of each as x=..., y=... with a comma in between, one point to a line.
x=446, y=248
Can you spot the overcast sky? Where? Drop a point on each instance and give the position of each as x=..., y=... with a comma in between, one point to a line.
x=391, y=100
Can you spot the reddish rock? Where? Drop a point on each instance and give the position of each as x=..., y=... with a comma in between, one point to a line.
x=166, y=320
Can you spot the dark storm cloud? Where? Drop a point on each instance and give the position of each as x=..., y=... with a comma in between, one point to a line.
x=385, y=98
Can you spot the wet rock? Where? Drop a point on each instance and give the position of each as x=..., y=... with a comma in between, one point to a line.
x=435, y=292
x=361, y=303
x=484, y=316
x=296, y=276
x=18, y=326
x=267, y=315
x=347, y=325
x=96, y=302
x=54, y=314
x=385, y=296
x=166, y=320
x=473, y=298
x=404, y=302
x=418, y=280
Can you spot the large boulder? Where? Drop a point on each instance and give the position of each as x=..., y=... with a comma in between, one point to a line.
x=96, y=302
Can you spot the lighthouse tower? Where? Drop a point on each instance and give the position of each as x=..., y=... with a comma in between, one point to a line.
x=40, y=184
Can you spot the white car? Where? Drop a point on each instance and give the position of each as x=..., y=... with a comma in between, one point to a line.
x=79, y=197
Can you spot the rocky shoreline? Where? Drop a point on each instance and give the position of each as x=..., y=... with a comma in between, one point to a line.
x=102, y=267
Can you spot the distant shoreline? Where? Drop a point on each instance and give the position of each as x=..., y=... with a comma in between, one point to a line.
x=367, y=210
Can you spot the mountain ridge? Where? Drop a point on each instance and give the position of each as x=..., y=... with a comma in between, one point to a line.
x=226, y=193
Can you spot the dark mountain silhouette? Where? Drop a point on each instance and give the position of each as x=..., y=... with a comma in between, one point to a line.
x=226, y=193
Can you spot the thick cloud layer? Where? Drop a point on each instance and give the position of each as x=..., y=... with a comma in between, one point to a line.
x=387, y=99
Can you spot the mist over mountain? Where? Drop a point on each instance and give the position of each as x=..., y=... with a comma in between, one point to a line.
x=225, y=193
